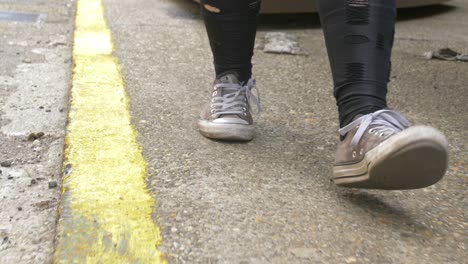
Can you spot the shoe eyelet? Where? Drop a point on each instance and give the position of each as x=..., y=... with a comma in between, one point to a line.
x=371, y=131
x=354, y=154
x=361, y=152
x=213, y=111
x=245, y=109
x=245, y=114
x=215, y=93
x=212, y=106
x=382, y=135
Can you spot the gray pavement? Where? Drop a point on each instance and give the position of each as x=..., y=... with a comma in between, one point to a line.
x=267, y=201
x=35, y=60
x=271, y=200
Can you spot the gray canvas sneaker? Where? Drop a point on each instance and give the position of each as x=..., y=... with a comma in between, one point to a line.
x=228, y=115
x=382, y=151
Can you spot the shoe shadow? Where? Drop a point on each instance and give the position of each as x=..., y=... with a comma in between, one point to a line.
x=384, y=213
x=228, y=142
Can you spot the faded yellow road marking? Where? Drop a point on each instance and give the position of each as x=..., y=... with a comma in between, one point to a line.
x=106, y=213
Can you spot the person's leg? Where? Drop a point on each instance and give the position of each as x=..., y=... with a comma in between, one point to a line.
x=378, y=147
x=359, y=38
x=231, y=26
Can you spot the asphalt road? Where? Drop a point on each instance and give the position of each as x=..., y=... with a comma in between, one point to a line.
x=271, y=200
x=266, y=201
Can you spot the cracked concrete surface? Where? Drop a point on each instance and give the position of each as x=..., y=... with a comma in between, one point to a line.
x=34, y=82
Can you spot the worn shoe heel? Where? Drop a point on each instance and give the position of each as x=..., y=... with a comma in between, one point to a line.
x=416, y=165
x=413, y=158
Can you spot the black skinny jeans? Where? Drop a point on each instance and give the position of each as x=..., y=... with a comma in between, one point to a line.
x=359, y=39
x=231, y=27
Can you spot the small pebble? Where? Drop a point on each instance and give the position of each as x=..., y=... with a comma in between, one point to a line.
x=6, y=163
x=20, y=208
x=33, y=181
x=52, y=184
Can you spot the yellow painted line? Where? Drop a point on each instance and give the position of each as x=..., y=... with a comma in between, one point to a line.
x=106, y=211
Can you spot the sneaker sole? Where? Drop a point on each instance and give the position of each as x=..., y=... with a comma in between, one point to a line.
x=414, y=158
x=226, y=132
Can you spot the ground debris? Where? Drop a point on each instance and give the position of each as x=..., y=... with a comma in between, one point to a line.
x=281, y=43
x=5, y=240
x=446, y=54
x=34, y=136
x=52, y=184
x=43, y=205
x=6, y=163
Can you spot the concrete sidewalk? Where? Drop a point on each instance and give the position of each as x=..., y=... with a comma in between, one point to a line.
x=271, y=200
x=35, y=61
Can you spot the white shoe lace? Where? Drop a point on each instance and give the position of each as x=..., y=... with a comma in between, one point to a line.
x=383, y=123
x=236, y=98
